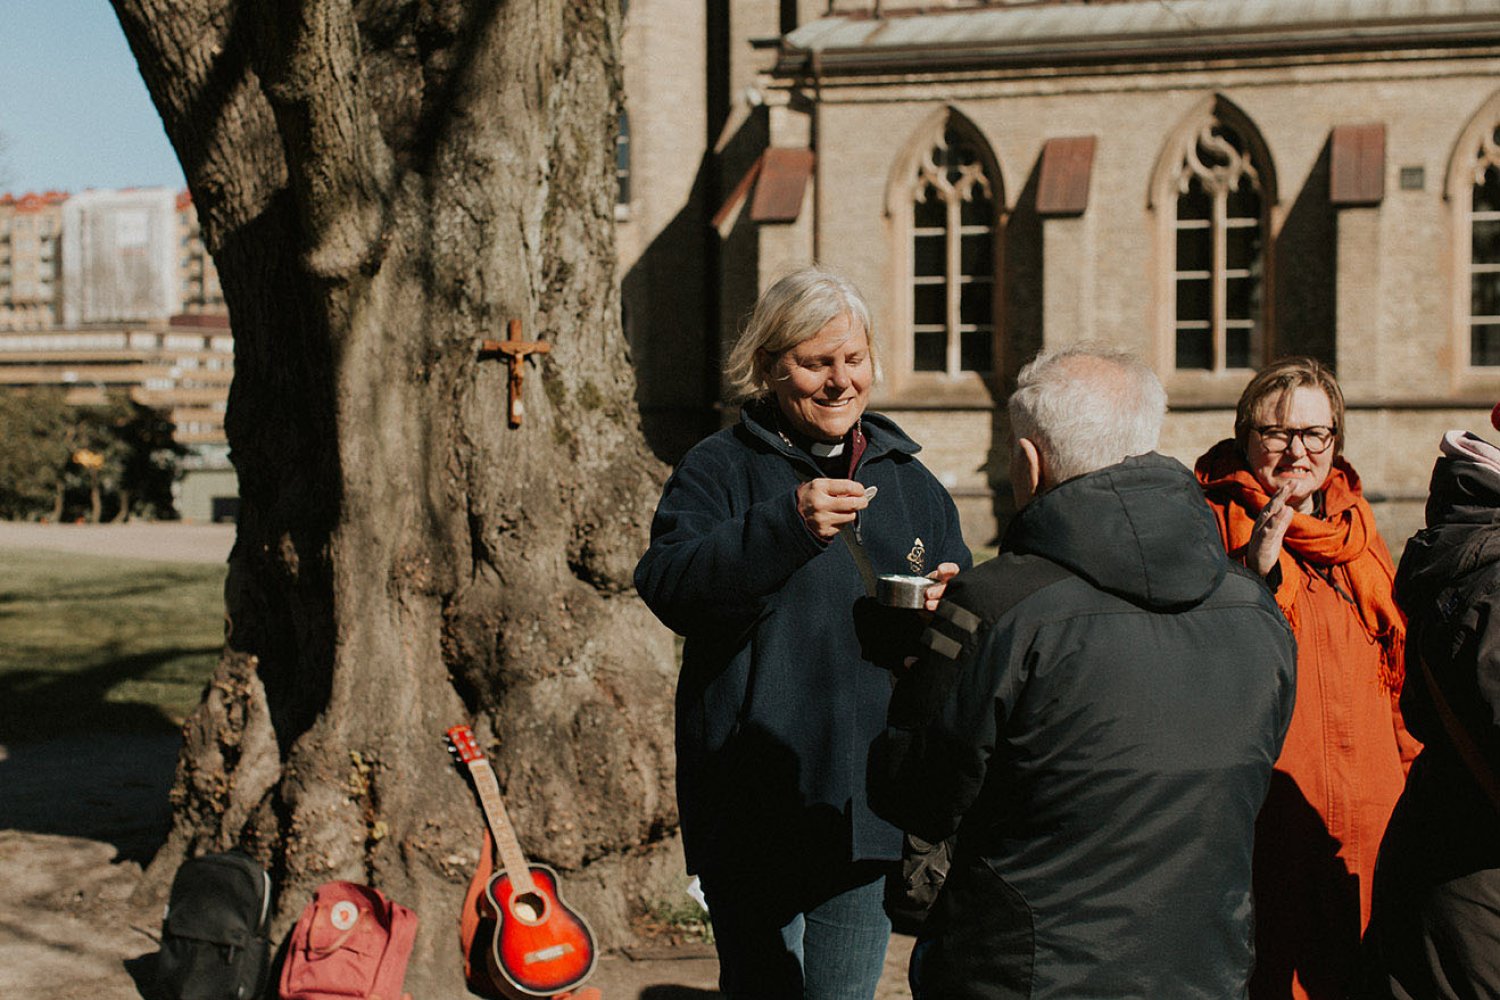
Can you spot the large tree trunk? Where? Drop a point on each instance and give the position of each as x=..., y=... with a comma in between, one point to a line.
x=382, y=183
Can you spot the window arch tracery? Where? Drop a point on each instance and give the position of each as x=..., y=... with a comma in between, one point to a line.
x=1484, y=252
x=954, y=229
x=1219, y=251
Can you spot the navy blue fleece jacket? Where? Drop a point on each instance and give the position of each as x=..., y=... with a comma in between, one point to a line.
x=777, y=701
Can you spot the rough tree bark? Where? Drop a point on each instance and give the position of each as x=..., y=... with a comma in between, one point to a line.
x=381, y=183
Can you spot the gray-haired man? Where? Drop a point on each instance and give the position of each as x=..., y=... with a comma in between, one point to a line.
x=1096, y=713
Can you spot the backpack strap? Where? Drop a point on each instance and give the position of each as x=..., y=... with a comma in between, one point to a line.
x=473, y=917
x=1440, y=614
x=967, y=612
x=1459, y=737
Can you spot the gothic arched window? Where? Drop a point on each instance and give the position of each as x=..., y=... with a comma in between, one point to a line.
x=953, y=234
x=1219, y=257
x=1484, y=255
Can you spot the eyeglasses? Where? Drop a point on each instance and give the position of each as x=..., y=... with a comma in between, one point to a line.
x=1315, y=439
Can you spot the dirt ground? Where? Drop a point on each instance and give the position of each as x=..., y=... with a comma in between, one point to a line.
x=78, y=821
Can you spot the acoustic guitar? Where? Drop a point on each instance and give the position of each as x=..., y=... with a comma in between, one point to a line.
x=540, y=946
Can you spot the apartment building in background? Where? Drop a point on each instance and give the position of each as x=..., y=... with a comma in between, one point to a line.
x=103, y=256
x=30, y=260
x=198, y=279
x=114, y=290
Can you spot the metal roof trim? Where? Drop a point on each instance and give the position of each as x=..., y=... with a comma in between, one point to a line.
x=1076, y=33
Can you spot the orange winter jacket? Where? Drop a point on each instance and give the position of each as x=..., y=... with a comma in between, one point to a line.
x=1346, y=754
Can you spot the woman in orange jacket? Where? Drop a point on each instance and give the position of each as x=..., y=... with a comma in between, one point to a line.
x=1292, y=510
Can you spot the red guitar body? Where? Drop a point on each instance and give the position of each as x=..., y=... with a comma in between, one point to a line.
x=541, y=947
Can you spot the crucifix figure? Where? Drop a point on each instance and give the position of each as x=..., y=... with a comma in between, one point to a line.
x=515, y=351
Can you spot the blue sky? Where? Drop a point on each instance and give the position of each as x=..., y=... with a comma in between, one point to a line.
x=74, y=112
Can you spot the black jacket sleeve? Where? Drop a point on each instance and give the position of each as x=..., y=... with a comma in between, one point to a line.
x=948, y=711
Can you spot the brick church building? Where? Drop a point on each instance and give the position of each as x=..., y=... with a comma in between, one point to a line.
x=1208, y=183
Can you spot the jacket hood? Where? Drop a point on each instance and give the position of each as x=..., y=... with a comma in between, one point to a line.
x=1462, y=534
x=882, y=434
x=1140, y=530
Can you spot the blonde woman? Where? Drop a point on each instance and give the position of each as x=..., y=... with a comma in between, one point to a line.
x=777, y=702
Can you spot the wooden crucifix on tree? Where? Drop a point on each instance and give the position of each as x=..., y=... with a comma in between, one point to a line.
x=515, y=351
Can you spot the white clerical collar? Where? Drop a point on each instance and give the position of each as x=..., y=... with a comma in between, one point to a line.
x=821, y=450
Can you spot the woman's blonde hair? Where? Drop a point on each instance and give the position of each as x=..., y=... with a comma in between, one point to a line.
x=792, y=310
x=1279, y=378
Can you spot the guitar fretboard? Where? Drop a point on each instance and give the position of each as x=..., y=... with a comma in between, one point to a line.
x=511, y=855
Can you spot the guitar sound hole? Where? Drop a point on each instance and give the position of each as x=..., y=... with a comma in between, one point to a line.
x=529, y=907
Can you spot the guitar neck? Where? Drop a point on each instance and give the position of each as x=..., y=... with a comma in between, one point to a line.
x=511, y=856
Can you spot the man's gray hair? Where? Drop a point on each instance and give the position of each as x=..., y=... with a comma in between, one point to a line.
x=1087, y=406
x=792, y=310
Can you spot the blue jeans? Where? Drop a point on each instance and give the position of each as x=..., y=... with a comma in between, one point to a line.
x=824, y=942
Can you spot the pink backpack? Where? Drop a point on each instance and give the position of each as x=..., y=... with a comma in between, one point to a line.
x=351, y=941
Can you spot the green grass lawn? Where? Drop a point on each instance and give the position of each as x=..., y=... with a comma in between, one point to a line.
x=93, y=644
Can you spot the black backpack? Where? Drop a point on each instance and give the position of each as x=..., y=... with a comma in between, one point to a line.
x=213, y=935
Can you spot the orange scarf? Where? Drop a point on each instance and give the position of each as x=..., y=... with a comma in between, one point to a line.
x=1342, y=546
